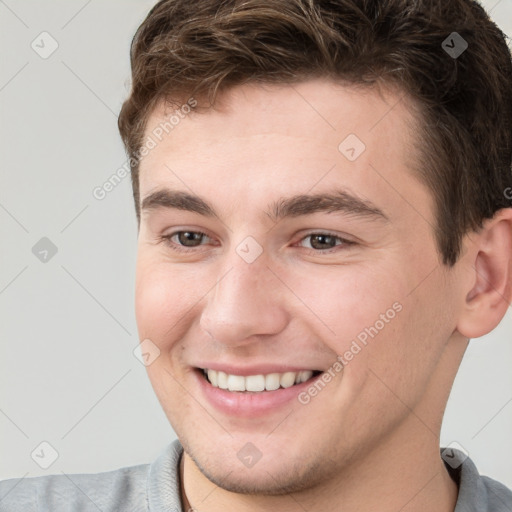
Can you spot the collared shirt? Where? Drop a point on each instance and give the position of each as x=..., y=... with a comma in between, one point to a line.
x=156, y=488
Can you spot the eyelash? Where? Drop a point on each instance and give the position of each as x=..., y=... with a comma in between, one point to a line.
x=182, y=249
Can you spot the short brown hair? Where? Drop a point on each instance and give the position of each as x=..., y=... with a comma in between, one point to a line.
x=197, y=48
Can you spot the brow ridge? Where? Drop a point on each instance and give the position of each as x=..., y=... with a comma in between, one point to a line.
x=339, y=201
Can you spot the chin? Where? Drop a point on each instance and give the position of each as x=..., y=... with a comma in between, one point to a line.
x=277, y=472
x=269, y=479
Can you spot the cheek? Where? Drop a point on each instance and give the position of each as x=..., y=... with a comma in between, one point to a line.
x=154, y=303
x=405, y=356
x=350, y=303
x=162, y=300
x=371, y=323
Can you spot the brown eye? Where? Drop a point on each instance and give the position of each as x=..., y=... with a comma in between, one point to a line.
x=189, y=238
x=185, y=241
x=322, y=241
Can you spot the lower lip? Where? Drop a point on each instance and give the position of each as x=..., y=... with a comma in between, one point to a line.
x=249, y=404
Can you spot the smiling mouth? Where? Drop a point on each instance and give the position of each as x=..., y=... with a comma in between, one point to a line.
x=257, y=383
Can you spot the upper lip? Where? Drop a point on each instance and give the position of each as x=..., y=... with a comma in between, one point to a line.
x=253, y=369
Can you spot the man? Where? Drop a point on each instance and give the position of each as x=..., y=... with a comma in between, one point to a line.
x=323, y=195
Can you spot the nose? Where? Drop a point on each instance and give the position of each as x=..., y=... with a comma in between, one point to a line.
x=247, y=301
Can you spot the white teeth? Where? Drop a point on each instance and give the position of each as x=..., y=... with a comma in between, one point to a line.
x=287, y=379
x=272, y=381
x=222, y=379
x=236, y=383
x=303, y=376
x=255, y=383
x=212, y=377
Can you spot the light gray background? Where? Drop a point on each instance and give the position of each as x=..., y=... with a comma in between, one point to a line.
x=68, y=373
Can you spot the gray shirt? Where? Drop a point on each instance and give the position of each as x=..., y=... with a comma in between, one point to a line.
x=155, y=488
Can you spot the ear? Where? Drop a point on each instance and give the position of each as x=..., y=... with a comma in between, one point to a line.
x=490, y=289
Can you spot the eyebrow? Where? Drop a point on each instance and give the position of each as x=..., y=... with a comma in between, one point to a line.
x=338, y=201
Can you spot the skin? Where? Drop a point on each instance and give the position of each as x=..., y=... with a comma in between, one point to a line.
x=370, y=439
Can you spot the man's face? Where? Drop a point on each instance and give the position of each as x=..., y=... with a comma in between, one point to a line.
x=276, y=286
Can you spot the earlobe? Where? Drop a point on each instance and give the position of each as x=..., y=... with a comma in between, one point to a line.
x=491, y=270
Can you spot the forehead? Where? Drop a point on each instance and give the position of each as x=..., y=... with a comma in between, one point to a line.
x=262, y=139
x=299, y=110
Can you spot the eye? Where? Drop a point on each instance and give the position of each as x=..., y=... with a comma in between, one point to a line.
x=184, y=240
x=324, y=242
